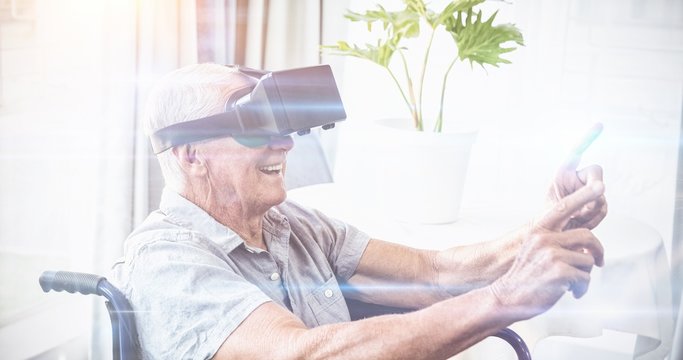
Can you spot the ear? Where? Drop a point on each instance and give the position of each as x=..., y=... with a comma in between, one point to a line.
x=191, y=164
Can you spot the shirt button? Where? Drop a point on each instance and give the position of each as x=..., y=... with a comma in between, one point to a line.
x=274, y=276
x=328, y=293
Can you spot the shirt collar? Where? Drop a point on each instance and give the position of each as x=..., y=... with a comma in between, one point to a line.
x=187, y=214
x=190, y=216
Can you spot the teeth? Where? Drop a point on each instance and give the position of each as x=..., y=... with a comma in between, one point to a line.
x=277, y=167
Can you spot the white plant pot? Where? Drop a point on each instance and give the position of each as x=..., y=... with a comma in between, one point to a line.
x=422, y=173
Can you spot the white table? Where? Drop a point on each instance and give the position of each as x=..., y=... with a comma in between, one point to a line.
x=631, y=293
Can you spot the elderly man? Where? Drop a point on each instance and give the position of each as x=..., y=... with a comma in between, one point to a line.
x=228, y=268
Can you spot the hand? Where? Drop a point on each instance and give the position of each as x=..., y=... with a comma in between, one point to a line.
x=568, y=180
x=551, y=261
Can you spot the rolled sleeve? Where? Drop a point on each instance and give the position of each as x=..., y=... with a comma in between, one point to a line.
x=342, y=243
x=346, y=254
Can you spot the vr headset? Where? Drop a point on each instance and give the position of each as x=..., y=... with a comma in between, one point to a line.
x=281, y=103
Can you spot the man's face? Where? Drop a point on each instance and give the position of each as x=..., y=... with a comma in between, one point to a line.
x=251, y=177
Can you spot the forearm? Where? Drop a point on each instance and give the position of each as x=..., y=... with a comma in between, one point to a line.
x=439, y=331
x=464, y=268
x=394, y=275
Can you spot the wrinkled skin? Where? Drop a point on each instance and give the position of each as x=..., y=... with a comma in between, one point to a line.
x=559, y=250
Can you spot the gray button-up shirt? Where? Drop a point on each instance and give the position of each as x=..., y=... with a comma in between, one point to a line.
x=192, y=281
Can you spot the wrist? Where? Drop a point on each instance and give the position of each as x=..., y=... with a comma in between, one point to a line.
x=500, y=295
x=440, y=260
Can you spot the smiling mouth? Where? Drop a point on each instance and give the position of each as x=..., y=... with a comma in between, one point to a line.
x=271, y=169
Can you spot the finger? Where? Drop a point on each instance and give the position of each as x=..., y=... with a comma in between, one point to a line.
x=578, y=258
x=597, y=218
x=572, y=279
x=582, y=242
x=579, y=285
x=574, y=157
x=589, y=174
x=592, y=211
x=558, y=216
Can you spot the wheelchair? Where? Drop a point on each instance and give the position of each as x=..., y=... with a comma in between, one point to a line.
x=124, y=333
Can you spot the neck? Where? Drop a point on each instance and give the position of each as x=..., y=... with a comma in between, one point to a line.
x=244, y=221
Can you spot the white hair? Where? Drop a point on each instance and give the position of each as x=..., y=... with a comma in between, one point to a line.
x=189, y=93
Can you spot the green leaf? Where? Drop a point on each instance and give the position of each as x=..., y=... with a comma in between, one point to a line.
x=436, y=19
x=396, y=25
x=465, y=5
x=416, y=7
x=369, y=16
x=405, y=24
x=480, y=41
x=380, y=54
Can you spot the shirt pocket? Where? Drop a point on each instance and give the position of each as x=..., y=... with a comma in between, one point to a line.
x=327, y=303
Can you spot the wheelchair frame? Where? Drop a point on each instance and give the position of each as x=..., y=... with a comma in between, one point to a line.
x=125, y=343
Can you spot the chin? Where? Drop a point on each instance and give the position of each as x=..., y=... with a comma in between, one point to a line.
x=278, y=198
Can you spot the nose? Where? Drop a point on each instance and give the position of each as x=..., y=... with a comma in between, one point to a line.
x=285, y=143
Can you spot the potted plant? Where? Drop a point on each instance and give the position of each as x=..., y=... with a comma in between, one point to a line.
x=478, y=41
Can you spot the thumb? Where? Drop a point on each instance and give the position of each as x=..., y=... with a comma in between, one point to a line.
x=560, y=214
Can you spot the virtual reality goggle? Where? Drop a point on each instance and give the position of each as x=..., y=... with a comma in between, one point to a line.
x=281, y=103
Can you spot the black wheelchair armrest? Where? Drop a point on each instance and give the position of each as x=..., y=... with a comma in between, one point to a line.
x=125, y=343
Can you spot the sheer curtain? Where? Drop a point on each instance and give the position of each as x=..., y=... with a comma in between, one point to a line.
x=74, y=76
x=161, y=36
x=145, y=39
